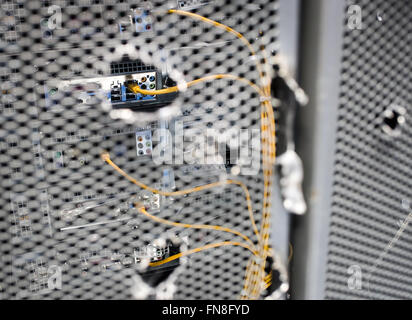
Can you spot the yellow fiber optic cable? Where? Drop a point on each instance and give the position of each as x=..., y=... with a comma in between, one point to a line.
x=254, y=279
x=136, y=89
x=206, y=247
x=290, y=252
x=106, y=157
x=194, y=226
x=222, y=27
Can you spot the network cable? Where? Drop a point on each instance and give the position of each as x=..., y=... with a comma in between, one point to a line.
x=196, y=226
x=106, y=157
x=253, y=279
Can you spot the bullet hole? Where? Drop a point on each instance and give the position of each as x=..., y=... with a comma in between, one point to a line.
x=394, y=120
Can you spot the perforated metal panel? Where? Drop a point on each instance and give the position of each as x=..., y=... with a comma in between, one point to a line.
x=63, y=210
x=369, y=254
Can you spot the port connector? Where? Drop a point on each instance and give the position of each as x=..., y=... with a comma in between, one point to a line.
x=120, y=92
x=144, y=143
x=116, y=87
x=141, y=20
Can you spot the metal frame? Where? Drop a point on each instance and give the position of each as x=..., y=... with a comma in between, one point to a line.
x=288, y=33
x=320, y=60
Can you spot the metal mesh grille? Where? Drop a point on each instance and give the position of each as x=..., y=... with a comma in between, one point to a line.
x=370, y=235
x=62, y=209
